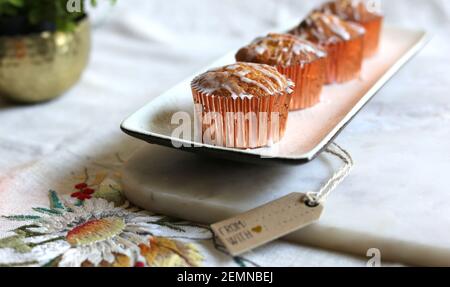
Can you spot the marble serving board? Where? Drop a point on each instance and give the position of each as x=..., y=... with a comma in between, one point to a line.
x=367, y=211
x=308, y=131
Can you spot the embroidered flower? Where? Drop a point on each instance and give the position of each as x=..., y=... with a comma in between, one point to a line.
x=84, y=192
x=95, y=226
x=81, y=196
x=81, y=186
x=98, y=233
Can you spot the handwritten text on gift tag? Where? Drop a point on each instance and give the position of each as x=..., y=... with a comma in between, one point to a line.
x=264, y=224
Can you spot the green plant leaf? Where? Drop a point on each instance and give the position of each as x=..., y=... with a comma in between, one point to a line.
x=47, y=11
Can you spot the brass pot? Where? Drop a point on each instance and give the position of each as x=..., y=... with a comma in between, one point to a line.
x=40, y=67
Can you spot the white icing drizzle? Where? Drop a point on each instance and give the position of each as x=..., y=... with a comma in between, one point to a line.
x=327, y=28
x=353, y=10
x=260, y=85
x=336, y=27
x=270, y=74
x=261, y=49
x=219, y=78
x=301, y=48
x=284, y=49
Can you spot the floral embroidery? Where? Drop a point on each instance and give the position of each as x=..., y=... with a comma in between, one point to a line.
x=96, y=233
x=98, y=186
x=95, y=226
x=84, y=192
x=81, y=186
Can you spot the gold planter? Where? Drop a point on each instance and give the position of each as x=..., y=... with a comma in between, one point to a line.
x=40, y=67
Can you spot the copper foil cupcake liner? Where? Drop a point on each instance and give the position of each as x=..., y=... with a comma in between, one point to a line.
x=372, y=37
x=241, y=122
x=345, y=59
x=309, y=80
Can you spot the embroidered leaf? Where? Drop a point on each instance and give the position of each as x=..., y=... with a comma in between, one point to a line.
x=169, y=225
x=54, y=262
x=22, y=217
x=168, y=219
x=21, y=264
x=55, y=202
x=27, y=232
x=111, y=191
x=15, y=242
x=79, y=203
x=99, y=178
x=173, y=223
x=47, y=211
x=239, y=261
x=47, y=241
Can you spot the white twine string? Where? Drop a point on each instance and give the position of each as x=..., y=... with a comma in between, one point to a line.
x=316, y=198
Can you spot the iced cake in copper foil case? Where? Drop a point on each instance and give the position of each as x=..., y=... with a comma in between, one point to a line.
x=301, y=61
x=244, y=105
x=343, y=41
x=364, y=12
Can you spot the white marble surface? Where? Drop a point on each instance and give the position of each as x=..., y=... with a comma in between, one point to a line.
x=206, y=190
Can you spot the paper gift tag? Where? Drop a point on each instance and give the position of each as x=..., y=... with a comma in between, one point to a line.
x=264, y=224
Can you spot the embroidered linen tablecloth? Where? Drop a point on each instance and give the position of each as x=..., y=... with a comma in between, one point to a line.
x=60, y=162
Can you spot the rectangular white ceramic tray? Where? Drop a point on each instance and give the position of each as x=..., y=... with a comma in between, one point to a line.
x=309, y=131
